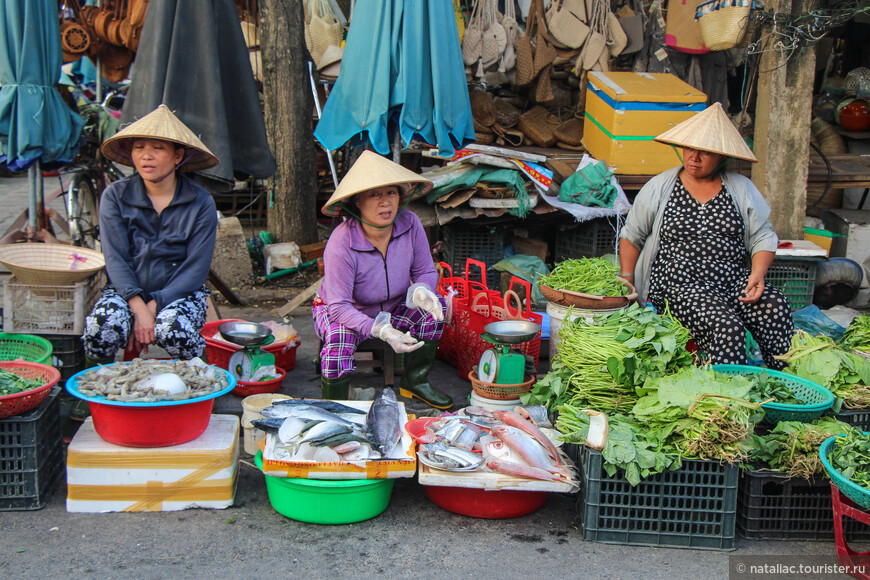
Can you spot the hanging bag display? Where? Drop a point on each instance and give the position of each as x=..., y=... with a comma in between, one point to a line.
x=494, y=36
x=74, y=37
x=566, y=22
x=512, y=36
x=323, y=28
x=723, y=23
x=682, y=31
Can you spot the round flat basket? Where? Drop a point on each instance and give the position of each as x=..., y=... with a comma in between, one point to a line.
x=847, y=487
x=817, y=399
x=589, y=302
x=500, y=392
x=25, y=346
x=18, y=403
x=50, y=264
x=246, y=389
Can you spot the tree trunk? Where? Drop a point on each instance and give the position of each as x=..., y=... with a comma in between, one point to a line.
x=289, y=106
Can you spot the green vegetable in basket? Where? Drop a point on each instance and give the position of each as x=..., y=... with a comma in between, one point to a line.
x=819, y=359
x=793, y=446
x=857, y=336
x=850, y=455
x=767, y=387
x=595, y=276
x=11, y=383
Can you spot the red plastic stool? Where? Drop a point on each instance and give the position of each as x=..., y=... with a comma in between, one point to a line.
x=844, y=507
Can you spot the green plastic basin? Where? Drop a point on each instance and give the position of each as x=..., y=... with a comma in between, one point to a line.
x=320, y=501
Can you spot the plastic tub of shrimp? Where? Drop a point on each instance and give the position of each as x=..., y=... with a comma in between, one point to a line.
x=150, y=424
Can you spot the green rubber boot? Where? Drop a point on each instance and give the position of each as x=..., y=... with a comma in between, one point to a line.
x=336, y=389
x=415, y=379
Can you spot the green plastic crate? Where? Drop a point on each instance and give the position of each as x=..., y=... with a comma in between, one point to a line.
x=795, y=277
x=692, y=507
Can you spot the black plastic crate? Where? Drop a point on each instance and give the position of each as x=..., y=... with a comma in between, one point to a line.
x=859, y=418
x=692, y=507
x=591, y=239
x=30, y=489
x=28, y=440
x=774, y=506
x=484, y=243
x=68, y=354
x=796, y=279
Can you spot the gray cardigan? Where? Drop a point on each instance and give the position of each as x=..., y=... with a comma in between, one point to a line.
x=643, y=224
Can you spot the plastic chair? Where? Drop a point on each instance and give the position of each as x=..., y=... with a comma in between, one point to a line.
x=854, y=561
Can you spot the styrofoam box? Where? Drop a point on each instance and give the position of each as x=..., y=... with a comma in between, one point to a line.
x=104, y=477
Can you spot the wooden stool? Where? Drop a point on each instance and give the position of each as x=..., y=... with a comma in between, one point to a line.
x=373, y=346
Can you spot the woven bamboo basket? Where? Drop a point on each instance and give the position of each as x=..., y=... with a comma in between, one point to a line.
x=723, y=22
x=50, y=264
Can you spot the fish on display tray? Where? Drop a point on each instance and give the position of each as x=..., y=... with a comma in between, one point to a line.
x=506, y=443
x=337, y=440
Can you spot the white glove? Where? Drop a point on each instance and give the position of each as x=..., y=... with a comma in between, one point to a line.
x=420, y=296
x=395, y=338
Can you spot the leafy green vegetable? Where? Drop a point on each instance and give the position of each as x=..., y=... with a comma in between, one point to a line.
x=850, y=456
x=793, y=446
x=595, y=276
x=11, y=383
x=857, y=336
x=819, y=359
x=767, y=387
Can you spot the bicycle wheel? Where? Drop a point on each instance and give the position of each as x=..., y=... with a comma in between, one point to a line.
x=82, y=212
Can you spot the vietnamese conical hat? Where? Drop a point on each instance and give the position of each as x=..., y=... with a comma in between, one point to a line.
x=159, y=124
x=709, y=130
x=370, y=172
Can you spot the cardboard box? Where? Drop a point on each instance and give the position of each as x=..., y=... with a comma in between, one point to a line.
x=626, y=110
x=103, y=477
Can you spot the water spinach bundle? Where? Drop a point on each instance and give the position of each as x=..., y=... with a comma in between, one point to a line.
x=595, y=276
x=11, y=383
x=793, y=446
x=600, y=365
x=819, y=359
x=850, y=455
x=857, y=335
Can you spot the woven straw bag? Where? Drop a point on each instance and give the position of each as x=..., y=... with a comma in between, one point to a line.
x=506, y=114
x=472, y=40
x=482, y=107
x=525, y=61
x=723, y=22
x=323, y=29
x=544, y=88
x=566, y=22
x=75, y=40
x=617, y=38
x=570, y=132
x=512, y=36
x=539, y=126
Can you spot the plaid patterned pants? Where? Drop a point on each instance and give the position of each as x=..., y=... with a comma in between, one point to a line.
x=341, y=342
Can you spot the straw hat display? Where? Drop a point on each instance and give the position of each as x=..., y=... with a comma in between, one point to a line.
x=329, y=64
x=709, y=130
x=159, y=124
x=50, y=264
x=372, y=171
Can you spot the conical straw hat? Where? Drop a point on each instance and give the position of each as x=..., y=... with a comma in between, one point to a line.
x=372, y=171
x=709, y=130
x=159, y=124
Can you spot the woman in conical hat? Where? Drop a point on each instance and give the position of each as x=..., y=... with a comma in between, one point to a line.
x=157, y=231
x=379, y=279
x=699, y=241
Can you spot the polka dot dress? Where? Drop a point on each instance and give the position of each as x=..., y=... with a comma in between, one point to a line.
x=700, y=273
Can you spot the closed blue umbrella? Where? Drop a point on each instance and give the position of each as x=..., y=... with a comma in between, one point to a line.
x=35, y=122
x=402, y=68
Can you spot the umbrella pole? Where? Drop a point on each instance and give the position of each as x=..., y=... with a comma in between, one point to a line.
x=40, y=198
x=317, y=108
x=31, y=213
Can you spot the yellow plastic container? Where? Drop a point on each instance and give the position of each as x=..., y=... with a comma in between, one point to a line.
x=251, y=407
x=822, y=238
x=626, y=110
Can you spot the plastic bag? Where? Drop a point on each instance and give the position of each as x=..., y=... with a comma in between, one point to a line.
x=529, y=268
x=814, y=321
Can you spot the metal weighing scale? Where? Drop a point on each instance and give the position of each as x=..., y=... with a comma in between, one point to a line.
x=250, y=336
x=500, y=366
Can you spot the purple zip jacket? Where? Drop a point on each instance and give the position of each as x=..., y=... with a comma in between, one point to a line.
x=359, y=282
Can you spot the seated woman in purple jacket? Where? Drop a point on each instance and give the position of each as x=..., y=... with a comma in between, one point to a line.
x=379, y=279
x=157, y=231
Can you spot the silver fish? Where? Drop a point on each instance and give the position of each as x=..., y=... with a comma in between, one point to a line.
x=291, y=428
x=303, y=412
x=324, y=430
x=331, y=406
x=268, y=424
x=383, y=423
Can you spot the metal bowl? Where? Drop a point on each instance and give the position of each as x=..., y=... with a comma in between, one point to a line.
x=245, y=333
x=512, y=331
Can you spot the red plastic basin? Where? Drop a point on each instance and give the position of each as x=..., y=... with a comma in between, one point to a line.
x=488, y=504
x=151, y=426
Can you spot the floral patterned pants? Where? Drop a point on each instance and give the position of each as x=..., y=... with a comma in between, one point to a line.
x=110, y=324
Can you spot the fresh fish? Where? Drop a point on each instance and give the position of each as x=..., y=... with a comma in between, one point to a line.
x=364, y=452
x=269, y=424
x=383, y=422
x=517, y=470
x=331, y=406
x=443, y=456
x=346, y=447
x=466, y=439
x=529, y=449
x=451, y=431
x=309, y=412
x=323, y=431
x=514, y=420
x=341, y=439
x=537, y=414
x=326, y=455
x=290, y=429
x=500, y=451
x=476, y=411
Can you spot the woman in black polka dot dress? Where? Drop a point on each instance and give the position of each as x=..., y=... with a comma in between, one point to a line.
x=687, y=241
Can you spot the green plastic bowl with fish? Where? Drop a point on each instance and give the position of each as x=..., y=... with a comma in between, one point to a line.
x=321, y=501
x=150, y=424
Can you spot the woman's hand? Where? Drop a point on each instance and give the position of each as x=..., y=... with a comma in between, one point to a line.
x=144, y=316
x=754, y=288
